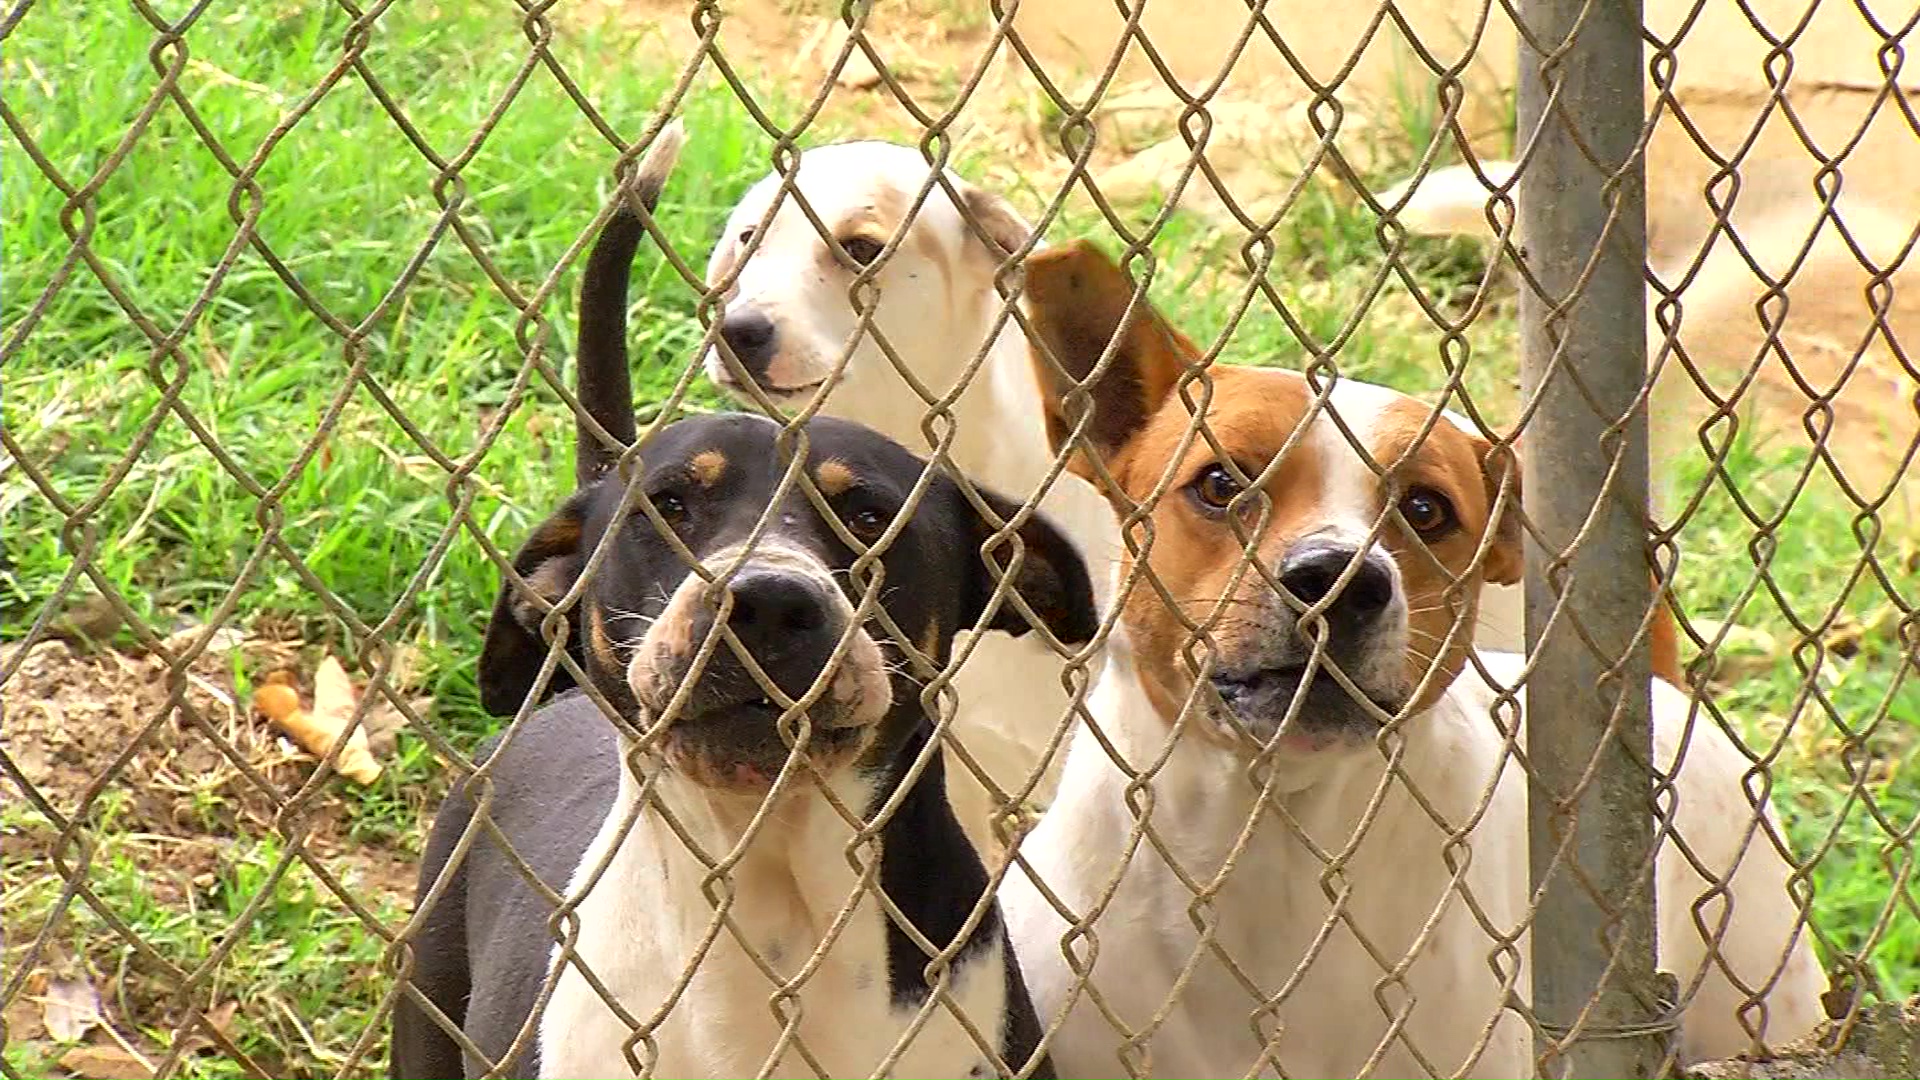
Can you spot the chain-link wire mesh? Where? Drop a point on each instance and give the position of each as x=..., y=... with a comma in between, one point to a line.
x=1396, y=470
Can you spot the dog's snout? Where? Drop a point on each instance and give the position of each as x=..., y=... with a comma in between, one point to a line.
x=788, y=622
x=749, y=333
x=771, y=607
x=1313, y=570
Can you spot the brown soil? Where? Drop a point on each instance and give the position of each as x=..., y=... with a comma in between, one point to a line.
x=181, y=790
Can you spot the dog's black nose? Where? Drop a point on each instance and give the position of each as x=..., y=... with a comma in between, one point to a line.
x=749, y=333
x=1312, y=570
x=787, y=622
x=771, y=607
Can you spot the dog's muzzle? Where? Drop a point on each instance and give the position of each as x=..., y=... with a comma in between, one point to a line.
x=754, y=338
x=723, y=726
x=1366, y=640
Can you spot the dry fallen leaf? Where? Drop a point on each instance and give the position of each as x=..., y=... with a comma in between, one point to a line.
x=105, y=1063
x=319, y=730
x=384, y=722
x=70, y=1008
x=220, y=1019
x=332, y=690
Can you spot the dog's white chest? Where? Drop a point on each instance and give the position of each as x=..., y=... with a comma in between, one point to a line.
x=646, y=926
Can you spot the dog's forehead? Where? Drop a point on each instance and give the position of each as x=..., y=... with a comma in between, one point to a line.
x=745, y=447
x=1267, y=405
x=843, y=178
x=870, y=457
x=1256, y=412
x=695, y=441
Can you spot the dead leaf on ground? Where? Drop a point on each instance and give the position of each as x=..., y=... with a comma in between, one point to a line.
x=221, y=641
x=319, y=730
x=219, y=1018
x=384, y=722
x=105, y=1063
x=69, y=1008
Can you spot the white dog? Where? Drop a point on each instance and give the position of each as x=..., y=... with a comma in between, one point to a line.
x=1347, y=918
x=789, y=321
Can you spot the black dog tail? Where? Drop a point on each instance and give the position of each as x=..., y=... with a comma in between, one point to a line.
x=603, y=386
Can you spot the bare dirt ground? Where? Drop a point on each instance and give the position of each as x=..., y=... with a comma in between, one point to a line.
x=178, y=794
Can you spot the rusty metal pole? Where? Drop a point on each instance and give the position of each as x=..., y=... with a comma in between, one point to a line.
x=1582, y=227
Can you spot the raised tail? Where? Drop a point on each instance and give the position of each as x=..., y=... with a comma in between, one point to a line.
x=602, y=381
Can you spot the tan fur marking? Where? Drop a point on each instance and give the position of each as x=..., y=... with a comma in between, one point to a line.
x=597, y=638
x=1447, y=461
x=1195, y=555
x=877, y=220
x=559, y=533
x=834, y=477
x=708, y=466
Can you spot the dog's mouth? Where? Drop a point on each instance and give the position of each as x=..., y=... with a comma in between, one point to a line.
x=779, y=395
x=739, y=744
x=1329, y=715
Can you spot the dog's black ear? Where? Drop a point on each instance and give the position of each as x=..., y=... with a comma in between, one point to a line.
x=1053, y=577
x=550, y=562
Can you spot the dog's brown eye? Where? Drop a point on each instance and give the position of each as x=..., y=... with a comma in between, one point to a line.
x=1215, y=487
x=1427, y=512
x=862, y=250
x=671, y=508
x=745, y=237
x=867, y=525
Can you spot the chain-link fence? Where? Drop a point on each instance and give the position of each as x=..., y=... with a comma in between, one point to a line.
x=1409, y=567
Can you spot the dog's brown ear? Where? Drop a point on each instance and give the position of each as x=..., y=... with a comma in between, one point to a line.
x=1506, y=560
x=996, y=217
x=1500, y=466
x=1053, y=577
x=1076, y=299
x=510, y=658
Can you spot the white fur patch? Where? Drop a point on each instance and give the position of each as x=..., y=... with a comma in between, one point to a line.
x=647, y=920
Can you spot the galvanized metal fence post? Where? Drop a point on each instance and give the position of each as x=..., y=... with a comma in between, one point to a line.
x=1582, y=225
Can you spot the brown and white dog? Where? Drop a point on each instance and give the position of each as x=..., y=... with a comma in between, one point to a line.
x=788, y=323
x=1348, y=905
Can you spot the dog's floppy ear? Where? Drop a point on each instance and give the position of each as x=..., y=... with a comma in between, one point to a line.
x=511, y=656
x=1053, y=578
x=994, y=216
x=1076, y=299
x=1506, y=558
x=1500, y=465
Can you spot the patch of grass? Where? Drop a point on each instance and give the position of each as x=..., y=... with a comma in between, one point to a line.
x=347, y=205
x=1813, y=675
x=300, y=975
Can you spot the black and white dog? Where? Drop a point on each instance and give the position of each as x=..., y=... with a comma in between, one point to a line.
x=725, y=918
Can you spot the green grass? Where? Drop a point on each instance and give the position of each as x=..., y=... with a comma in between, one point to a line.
x=1816, y=676
x=348, y=204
